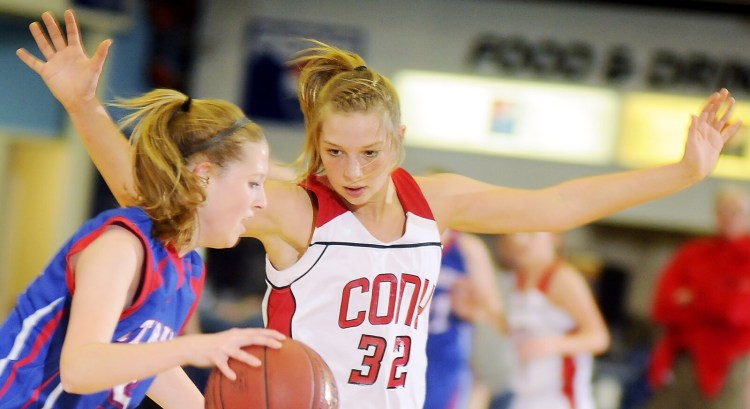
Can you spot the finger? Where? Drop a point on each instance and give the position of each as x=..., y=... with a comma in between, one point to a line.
x=54, y=30
x=72, y=29
x=711, y=102
x=223, y=366
x=32, y=62
x=265, y=340
x=727, y=113
x=728, y=132
x=275, y=334
x=254, y=335
x=247, y=358
x=41, y=40
x=100, y=56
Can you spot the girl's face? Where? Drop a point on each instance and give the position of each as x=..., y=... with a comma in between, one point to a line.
x=732, y=215
x=357, y=155
x=233, y=193
x=518, y=249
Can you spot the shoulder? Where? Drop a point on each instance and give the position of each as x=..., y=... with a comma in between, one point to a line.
x=440, y=184
x=120, y=239
x=438, y=190
x=567, y=280
x=286, y=200
x=285, y=225
x=114, y=242
x=471, y=243
x=696, y=247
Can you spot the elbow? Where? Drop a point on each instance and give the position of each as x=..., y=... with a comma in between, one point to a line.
x=602, y=342
x=76, y=380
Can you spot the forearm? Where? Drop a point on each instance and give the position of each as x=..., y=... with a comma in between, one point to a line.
x=593, y=342
x=108, y=148
x=164, y=391
x=588, y=199
x=498, y=321
x=100, y=366
x=495, y=209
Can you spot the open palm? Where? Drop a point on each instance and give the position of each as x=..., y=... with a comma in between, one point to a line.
x=68, y=72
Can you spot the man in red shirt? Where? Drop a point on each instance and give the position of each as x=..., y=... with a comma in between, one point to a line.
x=703, y=304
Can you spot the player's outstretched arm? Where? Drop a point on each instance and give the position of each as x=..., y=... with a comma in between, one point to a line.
x=73, y=78
x=469, y=205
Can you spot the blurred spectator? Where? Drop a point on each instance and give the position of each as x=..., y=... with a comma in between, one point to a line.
x=702, y=303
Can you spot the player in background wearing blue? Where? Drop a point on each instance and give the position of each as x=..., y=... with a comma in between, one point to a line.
x=99, y=327
x=378, y=226
x=466, y=269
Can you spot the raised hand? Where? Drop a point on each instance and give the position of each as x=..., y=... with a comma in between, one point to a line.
x=69, y=73
x=709, y=132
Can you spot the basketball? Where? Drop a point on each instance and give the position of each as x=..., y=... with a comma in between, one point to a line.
x=293, y=376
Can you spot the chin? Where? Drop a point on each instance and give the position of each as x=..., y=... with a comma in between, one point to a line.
x=231, y=242
x=224, y=242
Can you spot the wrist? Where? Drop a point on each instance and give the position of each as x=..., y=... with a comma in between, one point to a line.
x=85, y=107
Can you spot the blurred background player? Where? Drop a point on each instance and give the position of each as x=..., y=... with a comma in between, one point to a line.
x=467, y=269
x=554, y=322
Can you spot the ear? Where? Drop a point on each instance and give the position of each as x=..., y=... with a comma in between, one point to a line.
x=203, y=169
x=401, y=133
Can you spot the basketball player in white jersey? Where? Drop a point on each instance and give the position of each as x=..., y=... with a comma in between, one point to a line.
x=554, y=322
x=354, y=248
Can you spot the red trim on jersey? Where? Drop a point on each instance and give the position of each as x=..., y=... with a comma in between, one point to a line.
x=330, y=204
x=175, y=257
x=37, y=391
x=450, y=242
x=543, y=285
x=196, y=283
x=410, y=194
x=44, y=335
x=568, y=378
x=280, y=310
x=151, y=280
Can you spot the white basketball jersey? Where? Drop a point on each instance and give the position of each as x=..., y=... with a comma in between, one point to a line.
x=363, y=304
x=552, y=382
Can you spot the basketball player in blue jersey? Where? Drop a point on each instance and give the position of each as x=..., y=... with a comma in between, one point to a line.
x=466, y=270
x=353, y=249
x=99, y=327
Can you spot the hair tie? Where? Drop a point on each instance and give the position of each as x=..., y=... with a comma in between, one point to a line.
x=241, y=122
x=361, y=68
x=186, y=105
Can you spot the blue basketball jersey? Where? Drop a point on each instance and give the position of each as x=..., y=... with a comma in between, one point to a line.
x=450, y=340
x=32, y=336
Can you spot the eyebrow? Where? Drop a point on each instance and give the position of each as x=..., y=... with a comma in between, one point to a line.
x=372, y=145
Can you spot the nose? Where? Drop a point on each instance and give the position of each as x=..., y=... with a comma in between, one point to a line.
x=353, y=168
x=260, y=200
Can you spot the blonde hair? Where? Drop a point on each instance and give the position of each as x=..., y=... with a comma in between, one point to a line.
x=171, y=132
x=338, y=81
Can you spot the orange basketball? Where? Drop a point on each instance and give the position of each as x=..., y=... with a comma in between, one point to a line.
x=293, y=376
